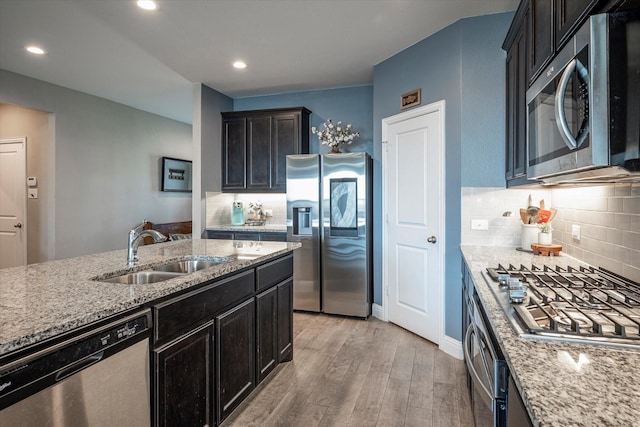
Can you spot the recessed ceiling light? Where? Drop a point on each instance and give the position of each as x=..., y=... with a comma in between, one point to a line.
x=35, y=50
x=239, y=64
x=147, y=4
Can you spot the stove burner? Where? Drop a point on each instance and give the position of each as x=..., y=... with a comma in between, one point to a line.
x=580, y=303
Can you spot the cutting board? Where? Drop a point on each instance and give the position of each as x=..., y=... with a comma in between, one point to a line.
x=546, y=250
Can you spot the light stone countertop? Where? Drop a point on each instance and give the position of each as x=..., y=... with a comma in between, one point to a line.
x=603, y=392
x=267, y=228
x=42, y=300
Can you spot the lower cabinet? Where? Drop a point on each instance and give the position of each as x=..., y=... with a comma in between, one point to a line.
x=185, y=380
x=213, y=345
x=235, y=357
x=285, y=321
x=266, y=332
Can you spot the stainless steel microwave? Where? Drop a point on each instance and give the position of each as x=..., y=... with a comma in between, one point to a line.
x=583, y=111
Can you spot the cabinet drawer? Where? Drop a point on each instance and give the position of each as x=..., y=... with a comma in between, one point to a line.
x=224, y=235
x=274, y=272
x=273, y=237
x=178, y=314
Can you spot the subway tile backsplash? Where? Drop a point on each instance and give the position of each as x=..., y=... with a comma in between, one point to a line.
x=608, y=216
x=218, y=209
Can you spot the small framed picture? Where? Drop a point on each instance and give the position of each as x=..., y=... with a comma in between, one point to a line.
x=410, y=99
x=176, y=174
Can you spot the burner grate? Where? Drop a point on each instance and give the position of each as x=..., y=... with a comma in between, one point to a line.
x=579, y=302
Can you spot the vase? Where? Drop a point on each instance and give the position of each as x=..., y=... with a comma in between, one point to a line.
x=335, y=149
x=545, y=238
x=528, y=235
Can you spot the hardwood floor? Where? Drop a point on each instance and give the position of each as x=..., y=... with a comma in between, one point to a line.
x=348, y=372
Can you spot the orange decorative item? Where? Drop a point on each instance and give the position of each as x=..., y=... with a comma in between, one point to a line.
x=543, y=215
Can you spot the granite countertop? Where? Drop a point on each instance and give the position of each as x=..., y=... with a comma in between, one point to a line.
x=267, y=228
x=42, y=300
x=556, y=388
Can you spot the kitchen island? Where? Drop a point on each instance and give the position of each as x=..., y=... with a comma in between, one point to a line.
x=40, y=301
x=561, y=384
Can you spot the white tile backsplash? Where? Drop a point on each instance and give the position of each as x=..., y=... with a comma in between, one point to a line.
x=608, y=216
x=218, y=210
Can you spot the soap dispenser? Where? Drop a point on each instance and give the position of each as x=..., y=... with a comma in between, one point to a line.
x=237, y=213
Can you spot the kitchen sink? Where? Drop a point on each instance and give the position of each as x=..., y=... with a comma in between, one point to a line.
x=142, y=277
x=191, y=266
x=162, y=272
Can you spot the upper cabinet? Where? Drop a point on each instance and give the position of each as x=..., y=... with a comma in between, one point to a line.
x=539, y=29
x=255, y=145
x=551, y=23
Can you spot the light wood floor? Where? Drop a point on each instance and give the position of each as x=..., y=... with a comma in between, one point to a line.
x=348, y=372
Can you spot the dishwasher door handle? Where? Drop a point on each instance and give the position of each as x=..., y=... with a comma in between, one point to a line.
x=79, y=365
x=475, y=378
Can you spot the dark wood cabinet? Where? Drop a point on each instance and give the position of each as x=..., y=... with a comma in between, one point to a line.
x=540, y=35
x=184, y=380
x=266, y=332
x=551, y=23
x=255, y=145
x=235, y=357
x=212, y=345
x=517, y=83
x=285, y=321
x=274, y=328
x=569, y=14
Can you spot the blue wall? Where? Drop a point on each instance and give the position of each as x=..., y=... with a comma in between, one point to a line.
x=350, y=104
x=464, y=65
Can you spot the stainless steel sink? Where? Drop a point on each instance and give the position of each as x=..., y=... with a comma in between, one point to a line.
x=191, y=266
x=165, y=271
x=142, y=277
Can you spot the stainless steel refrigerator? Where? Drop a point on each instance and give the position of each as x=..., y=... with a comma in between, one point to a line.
x=329, y=211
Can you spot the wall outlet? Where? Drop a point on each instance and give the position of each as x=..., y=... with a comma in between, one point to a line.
x=268, y=213
x=575, y=232
x=479, y=224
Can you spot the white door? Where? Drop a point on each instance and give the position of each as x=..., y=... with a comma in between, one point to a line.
x=413, y=231
x=13, y=194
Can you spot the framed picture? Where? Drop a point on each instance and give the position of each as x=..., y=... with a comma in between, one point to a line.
x=176, y=174
x=411, y=99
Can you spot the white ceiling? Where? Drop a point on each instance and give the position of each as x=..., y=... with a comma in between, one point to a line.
x=149, y=60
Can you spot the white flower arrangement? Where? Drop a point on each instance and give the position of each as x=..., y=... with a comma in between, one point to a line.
x=545, y=227
x=256, y=208
x=335, y=134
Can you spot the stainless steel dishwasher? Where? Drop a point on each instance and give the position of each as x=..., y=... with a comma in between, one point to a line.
x=98, y=378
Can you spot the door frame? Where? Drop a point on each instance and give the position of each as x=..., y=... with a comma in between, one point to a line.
x=22, y=140
x=438, y=106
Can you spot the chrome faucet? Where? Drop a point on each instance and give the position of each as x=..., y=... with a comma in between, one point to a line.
x=135, y=237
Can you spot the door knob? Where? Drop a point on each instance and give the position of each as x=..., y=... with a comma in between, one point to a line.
x=18, y=225
x=432, y=239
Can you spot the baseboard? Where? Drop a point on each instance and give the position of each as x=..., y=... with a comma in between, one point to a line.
x=452, y=347
x=377, y=312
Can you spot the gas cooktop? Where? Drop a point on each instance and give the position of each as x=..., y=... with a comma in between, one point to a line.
x=586, y=304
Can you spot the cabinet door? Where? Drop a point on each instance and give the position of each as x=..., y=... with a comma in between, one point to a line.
x=570, y=14
x=184, y=382
x=286, y=140
x=541, y=43
x=259, y=146
x=235, y=357
x=285, y=321
x=266, y=332
x=234, y=154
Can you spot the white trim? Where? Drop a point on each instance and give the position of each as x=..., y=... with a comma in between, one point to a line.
x=23, y=141
x=451, y=346
x=439, y=106
x=377, y=311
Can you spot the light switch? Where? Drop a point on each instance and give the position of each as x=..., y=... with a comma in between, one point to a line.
x=479, y=224
x=33, y=193
x=575, y=231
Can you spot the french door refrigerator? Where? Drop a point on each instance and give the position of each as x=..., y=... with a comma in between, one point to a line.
x=329, y=211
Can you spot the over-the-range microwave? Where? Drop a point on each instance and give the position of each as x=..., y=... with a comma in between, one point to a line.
x=583, y=111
